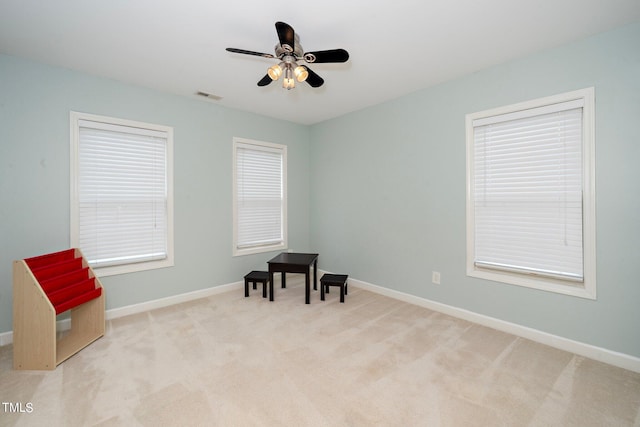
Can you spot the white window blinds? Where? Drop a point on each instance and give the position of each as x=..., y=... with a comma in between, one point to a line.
x=260, y=195
x=122, y=193
x=527, y=191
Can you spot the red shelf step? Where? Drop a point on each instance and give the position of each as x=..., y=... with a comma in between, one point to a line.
x=59, y=282
x=49, y=259
x=76, y=301
x=57, y=269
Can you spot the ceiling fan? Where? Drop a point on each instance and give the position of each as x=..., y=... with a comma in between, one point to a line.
x=289, y=52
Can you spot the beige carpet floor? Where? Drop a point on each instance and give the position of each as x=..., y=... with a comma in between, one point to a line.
x=227, y=360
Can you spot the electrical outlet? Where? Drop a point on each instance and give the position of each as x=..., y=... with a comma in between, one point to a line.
x=435, y=277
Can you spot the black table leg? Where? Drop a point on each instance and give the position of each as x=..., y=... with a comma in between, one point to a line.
x=307, y=289
x=270, y=285
x=284, y=279
x=315, y=274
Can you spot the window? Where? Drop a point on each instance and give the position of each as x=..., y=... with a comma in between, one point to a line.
x=530, y=198
x=259, y=196
x=121, y=193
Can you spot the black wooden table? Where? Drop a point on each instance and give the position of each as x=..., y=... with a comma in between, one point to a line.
x=291, y=262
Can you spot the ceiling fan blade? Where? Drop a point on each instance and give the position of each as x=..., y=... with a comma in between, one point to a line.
x=286, y=35
x=313, y=79
x=249, y=52
x=323, y=56
x=265, y=80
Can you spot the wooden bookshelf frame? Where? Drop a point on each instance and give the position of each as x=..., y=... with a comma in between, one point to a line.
x=36, y=345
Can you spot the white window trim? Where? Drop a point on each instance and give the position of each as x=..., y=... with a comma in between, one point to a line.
x=587, y=288
x=263, y=248
x=75, y=118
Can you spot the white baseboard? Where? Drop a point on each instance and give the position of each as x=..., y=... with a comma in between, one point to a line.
x=65, y=324
x=114, y=313
x=6, y=338
x=621, y=360
x=610, y=357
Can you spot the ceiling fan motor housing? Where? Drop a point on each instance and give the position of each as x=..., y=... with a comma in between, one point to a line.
x=286, y=49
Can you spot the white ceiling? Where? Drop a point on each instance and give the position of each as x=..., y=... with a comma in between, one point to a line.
x=396, y=47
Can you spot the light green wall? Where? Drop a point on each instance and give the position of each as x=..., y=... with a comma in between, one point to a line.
x=35, y=101
x=388, y=191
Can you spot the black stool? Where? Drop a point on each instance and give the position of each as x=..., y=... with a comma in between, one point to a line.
x=333, y=280
x=256, y=277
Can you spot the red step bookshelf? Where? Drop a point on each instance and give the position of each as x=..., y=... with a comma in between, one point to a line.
x=44, y=287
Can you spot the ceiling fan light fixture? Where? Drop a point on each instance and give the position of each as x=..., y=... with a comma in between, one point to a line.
x=301, y=73
x=275, y=72
x=288, y=82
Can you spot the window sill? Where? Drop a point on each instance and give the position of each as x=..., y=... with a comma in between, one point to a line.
x=258, y=249
x=115, y=270
x=581, y=290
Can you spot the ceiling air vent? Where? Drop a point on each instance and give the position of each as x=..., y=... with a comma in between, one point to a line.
x=209, y=95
